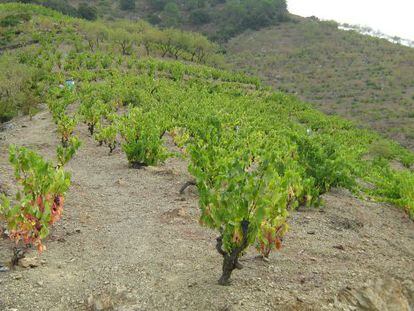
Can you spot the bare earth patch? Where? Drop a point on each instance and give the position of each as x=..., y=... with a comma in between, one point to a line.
x=129, y=241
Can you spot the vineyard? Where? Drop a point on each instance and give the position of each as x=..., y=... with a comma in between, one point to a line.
x=254, y=156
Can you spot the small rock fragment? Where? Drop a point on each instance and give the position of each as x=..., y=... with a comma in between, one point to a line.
x=29, y=262
x=4, y=233
x=181, y=212
x=340, y=247
x=120, y=182
x=192, y=284
x=99, y=303
x=18, y=276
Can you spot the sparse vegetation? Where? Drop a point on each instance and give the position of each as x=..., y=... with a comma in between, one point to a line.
x=20, y=86
x=365, y=79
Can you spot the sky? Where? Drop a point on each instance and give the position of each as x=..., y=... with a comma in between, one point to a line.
x=394, y=18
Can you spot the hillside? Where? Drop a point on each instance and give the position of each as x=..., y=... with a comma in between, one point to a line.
x=218, y=19
x=22, y=83
x=358, y=77
x=361, y=78
x=119, y=116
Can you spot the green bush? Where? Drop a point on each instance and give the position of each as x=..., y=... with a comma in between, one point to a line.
x=18, y=88
x=200, y=17
x=58, y=5
x=381, y=149
x=87, y=12
x=157, y=4
x=14, y=20
x=127, y=5
x=143, y=143
x=171, y=15
x=107, y=135
x=323, y=162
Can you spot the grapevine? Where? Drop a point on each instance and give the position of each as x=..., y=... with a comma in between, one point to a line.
x=39, y=202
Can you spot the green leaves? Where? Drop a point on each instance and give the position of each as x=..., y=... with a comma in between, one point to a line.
x=324, y=164
x=4, y=204
x=91, y=112
x=237, y=182
x=65, y=128
x=142, y=134
x=39, y=202
x=67, y=152
x=107, y=135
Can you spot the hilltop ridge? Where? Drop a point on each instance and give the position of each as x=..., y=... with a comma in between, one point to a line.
x=218, y=19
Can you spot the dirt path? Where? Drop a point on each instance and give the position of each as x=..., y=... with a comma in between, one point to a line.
x=129, y=239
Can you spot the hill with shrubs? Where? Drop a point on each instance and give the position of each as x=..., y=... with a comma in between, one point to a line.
x=219, y=19
x=362, y=78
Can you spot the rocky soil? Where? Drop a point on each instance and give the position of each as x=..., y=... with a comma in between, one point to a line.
x=130, y=241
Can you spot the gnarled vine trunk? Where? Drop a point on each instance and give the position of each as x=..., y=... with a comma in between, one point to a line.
x=186, y=185
x=91, y=128
x=18, y=253
x=231, y=260
x=138, y=165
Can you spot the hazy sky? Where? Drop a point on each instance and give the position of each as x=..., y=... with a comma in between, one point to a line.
x=395, y=17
